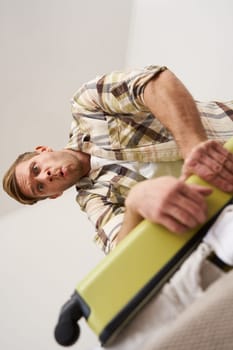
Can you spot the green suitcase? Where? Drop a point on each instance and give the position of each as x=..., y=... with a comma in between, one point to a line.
x=110, y=295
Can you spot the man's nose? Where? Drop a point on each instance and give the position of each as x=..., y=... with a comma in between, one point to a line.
x=51, y=175
x=47, y=176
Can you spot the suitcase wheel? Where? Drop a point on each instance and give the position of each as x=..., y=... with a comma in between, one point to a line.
x=67, y=330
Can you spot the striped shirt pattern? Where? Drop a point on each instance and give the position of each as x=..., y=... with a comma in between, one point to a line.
x=110, y=120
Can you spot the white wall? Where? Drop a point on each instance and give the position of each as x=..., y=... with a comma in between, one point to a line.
x=192, y=37
x=45, y=251
x=48, y=48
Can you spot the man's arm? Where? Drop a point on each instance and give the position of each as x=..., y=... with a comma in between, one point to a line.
x=166, y=201
x=171, y=103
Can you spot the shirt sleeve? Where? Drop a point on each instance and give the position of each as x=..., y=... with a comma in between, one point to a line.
x=117, y=92
x=107, y=218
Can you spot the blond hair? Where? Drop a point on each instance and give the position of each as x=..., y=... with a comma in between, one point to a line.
x=10, y=184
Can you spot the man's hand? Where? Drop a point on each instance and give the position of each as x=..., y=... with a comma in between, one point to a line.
x=170, y=202
x=211, y=162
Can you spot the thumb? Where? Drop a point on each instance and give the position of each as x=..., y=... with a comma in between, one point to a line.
x=203, y=190
x=183, y=177
x=185, y=172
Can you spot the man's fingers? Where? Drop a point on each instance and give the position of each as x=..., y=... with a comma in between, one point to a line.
x=219, y=149
x=212, y=163
x=228, y=164
x=222, y=179
x=222, y=166
x=170, y=202
x=172, y=224
x=189, y=211
x=185, y=206
x=201, y=191
x=186, y=216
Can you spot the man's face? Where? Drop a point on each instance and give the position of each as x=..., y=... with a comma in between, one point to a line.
x=48, y=174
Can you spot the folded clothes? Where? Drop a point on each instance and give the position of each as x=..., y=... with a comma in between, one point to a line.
x=220, y=236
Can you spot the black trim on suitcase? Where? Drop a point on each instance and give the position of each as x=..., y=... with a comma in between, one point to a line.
x=153, y=286
x=86, y=311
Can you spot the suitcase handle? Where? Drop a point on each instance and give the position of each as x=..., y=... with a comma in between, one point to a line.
x=67, y=330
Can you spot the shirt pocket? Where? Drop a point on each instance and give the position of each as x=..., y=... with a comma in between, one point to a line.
x=102, y=132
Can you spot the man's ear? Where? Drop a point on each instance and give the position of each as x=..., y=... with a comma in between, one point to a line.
x=43, y=149
x=56, y=195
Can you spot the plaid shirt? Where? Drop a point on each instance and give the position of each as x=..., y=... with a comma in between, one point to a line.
x=110, y=120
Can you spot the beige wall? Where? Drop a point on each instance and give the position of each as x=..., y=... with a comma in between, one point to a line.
x=193, y=38
x=48, y=48
x=45, y=250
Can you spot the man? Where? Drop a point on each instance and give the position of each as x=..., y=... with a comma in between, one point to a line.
x=122, y=133
x=129, y=130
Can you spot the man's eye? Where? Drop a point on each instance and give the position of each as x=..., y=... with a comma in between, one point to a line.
x=40, y=187
x=35, y=169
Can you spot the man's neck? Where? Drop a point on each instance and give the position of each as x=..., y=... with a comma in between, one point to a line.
x=85, y=160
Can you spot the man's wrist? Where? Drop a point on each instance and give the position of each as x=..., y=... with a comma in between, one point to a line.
x=188, y=144
x=131, y=219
